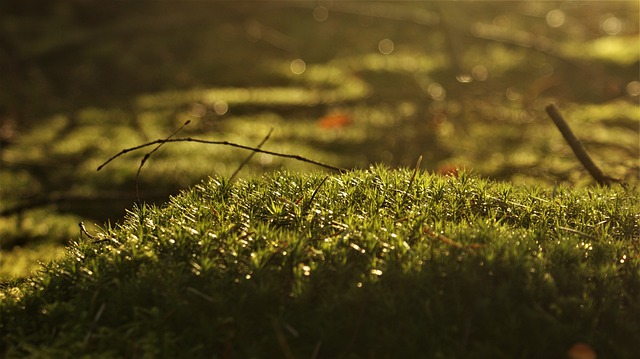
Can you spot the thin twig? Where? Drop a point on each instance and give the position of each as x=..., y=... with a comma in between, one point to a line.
x=201, y=295
x=315, y=192
x=413, y=177
x=146, y=157
x=282, y=340
x=450, y=242
x=577, y=147
x=575, y=231
x=224, y=143
x=83, y=229
x=246, y=160
x=520, y=39
x=316, y=350
x=94, y=324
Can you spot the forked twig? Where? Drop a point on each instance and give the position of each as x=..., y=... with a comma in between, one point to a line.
x=577, y=147
x=224, y=143
x=246, y=160
x=146, y=157
x=83, y=230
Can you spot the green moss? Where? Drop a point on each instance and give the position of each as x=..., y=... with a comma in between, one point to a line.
x=374, y=262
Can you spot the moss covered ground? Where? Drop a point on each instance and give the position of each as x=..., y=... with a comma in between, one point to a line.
x=369, y=263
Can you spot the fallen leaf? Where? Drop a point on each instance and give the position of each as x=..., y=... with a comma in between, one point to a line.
x=338, y=120
x=448, y=170
x=581, y=351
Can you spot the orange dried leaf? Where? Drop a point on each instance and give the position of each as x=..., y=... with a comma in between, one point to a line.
x=581, y=351
x=334, y=121
x=448, y=170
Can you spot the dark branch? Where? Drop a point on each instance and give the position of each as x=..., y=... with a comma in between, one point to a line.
x=146, y=157
x=224, y=143
x=246, y=160
x=577, y=146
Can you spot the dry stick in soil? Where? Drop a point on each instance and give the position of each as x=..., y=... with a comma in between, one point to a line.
x=577, y=147
x=224, y=143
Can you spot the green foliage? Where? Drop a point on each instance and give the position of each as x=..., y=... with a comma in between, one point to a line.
x=368, y=263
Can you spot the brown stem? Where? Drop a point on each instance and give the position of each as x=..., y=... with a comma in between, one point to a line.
x=146, y=157
x=577, y=146
x=246, y=160
x=223, y=143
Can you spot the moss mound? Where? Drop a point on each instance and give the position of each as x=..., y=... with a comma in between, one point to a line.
x=374, y=263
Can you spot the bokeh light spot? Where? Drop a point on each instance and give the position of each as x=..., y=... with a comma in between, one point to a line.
x=320, y=13
x=298, y=66
x=513, y=94
x=610, y=24
x=439, y=118
x=546, y=69
x=253, y=31
x=555, y=18
x=480, y=72
x=633, y=88
x=198, y=110
x=436, y=91
x=386, y=46
x=464, y=78
x=220, y=107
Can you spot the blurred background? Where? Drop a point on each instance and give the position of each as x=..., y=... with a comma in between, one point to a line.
x=350, y=83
